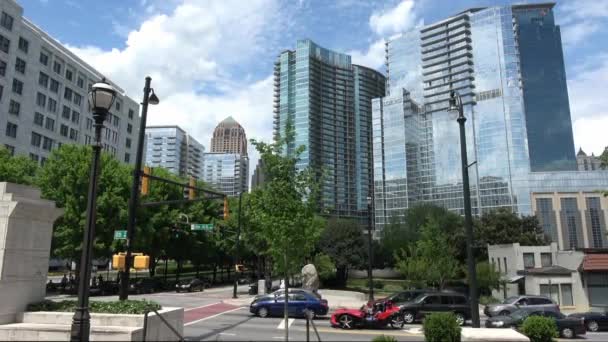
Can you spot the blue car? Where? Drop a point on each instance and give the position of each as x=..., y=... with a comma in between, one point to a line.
x=272, y=305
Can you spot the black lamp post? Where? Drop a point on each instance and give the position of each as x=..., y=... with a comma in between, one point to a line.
x=369, y=250
x=238, y=245
x=133, y=202
x=456, y=106
x=101, y=98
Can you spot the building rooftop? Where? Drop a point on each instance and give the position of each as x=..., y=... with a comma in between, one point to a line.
x=581, y=152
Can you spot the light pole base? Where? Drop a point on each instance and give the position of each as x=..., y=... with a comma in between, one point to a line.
x=81, y=325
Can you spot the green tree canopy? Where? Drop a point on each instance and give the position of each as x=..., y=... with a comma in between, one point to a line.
x=345, y=244
x=16, y=169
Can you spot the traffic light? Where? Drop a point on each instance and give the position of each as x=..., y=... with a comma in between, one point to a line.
x=145, y=181
x=226, y=210
x=191, y=192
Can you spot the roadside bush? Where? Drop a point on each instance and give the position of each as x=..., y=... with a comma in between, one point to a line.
x=539, y=329
x=485, y=300
x=136, y=307
x=384, y=338
x=378, y=284
x=441, y=327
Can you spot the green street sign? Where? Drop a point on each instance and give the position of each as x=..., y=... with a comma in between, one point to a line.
x=120, y=235
x=202, y=226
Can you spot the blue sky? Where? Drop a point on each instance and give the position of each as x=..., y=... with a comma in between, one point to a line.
x=210, y=59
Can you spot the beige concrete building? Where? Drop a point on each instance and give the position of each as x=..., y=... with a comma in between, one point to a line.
x=229, y=137
x=573, y=220
x=587, y=163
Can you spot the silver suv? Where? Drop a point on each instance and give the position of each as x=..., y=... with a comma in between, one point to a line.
x=520, y=302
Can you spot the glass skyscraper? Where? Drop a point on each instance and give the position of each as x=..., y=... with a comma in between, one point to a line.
x=327, y=101
x=226, y=172
x=507, y=65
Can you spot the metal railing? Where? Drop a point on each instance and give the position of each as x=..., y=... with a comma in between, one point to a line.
x=309, y=321
x=181, y=338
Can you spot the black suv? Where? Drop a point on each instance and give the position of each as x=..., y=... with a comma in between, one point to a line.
x=432, y=302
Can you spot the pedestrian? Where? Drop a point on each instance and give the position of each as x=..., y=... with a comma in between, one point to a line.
x=64, y=282
x=100, y=279
x=94, y=282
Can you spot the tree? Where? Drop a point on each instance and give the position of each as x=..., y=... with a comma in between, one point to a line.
x=16, y=169
x=604, y=158
x=64, y=179
x=345, y=244
x=325, y=267
x=488, y=278
x=432, y=261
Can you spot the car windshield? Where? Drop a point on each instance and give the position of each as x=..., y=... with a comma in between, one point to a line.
x=510, y=300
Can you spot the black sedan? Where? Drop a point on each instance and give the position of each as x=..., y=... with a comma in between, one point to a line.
x=190, y=285
x=568, y=327
x=594, y=321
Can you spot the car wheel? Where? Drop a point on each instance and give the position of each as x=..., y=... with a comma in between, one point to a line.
x=397, y=322
x=567, y=333
x=593, y=326
x=263, y=312
x=460, y=319
x=504, y=313
x=346, y=322
x=408, y=317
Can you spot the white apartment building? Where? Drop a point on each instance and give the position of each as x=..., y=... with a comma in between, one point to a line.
x=43, y=95
x=172, y=148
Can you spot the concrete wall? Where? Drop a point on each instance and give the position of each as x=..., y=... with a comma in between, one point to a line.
x=26, y=227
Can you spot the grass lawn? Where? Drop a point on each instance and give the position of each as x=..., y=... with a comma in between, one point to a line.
x=382, y=287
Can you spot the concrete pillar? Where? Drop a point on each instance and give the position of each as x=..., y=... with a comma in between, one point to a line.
x=26, y=228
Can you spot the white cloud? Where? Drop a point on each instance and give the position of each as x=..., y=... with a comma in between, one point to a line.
x=372, y=58
x=192, y=49
x=394, y=20
x=580, y=21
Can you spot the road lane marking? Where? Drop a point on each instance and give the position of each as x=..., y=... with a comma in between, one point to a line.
x=199, y=307
x=281, y=325
x=206, y=318
x=278, y=337
x=227, y=334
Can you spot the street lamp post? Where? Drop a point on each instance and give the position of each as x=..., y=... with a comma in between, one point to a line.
x=101, y=98
x=236, y=251
x=369, y=250
x=134, y=200
x=456, y=106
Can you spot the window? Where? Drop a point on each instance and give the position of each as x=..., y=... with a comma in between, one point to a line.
x=131, y=112
x=47, y=144
x=2, y=68
x=24, y=45
x=20, y=65
x=75, y=117
x=528, y=260
x=50, y=124
x=545, y=259
x=41, y=100
x=38, y=119
x=34, y=157
x=67, y=94
x=89, y=124
x=44, y=58
x=505, y=260
x=66, y=112
x=36, y=139
x=14, y=107
x=73, y=134
x=87, y=140
x=5, y=44
x=11, y=130
x=459, y=300
x=117, y=105
x=6, y=21
x=127, y=158
x=129, y=128
x=69, y=74
x=432, y=300
x=10, y=149
x=17, y=86
x=560, y=293
x=1, y=91
x=128, y=143
x=54, y=86
x=43, y=80
x=116, y=121
x=80, y=82
x=42, y=161
x=52, y=105
x=566, y=292
x=57, y=67
x=77, y=99
x=63, y=130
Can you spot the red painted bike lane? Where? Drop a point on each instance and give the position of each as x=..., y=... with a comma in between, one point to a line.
x=207, y=311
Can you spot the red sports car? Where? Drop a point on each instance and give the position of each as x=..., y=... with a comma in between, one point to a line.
x=378, y=316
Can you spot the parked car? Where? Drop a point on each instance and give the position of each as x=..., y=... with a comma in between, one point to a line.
x=511, y=304
x=594, y=321
x=299, y=301
x=280, y=292
x=377, y=316
x=568, y=327
x=145, y=285
x=403, y=297
x=431, y=302
x=191, y=285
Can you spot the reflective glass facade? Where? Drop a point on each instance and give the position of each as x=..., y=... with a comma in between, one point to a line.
x=172, y=148
x=226, y=172
x=327, y=100
x=416, y=144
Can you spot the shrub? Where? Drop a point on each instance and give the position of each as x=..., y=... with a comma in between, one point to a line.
x=485, y=300
x=384, y=338
x=441, y=327
x=136, y=307
x=539, y=329
x=378, y=284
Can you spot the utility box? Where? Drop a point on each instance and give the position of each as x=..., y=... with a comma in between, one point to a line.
x=141, y=262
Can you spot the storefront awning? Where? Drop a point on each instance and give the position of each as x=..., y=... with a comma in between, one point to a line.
x=594, y=262
x=514, y=279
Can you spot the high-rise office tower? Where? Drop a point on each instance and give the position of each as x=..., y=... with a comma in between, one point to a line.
x=226, y=172
x=43, y=95
x=229, y=137
x=326, y=99
x=172, y=148
x=507, y=64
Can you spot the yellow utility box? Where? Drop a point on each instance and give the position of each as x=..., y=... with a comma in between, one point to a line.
x=118, y=261
x=141, y=262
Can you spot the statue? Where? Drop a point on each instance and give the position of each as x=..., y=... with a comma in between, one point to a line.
x=310, y=278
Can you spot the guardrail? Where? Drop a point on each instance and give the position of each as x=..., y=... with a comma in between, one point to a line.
x=181, y=338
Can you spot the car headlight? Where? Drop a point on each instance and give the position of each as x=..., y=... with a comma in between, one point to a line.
x=498, y=323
